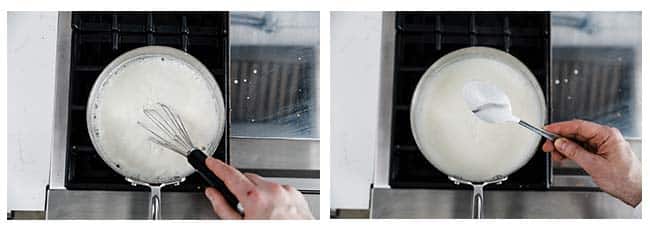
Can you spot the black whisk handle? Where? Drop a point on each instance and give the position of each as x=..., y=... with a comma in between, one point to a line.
x=196, y=158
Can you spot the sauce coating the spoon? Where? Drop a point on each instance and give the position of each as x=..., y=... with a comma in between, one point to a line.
x=488, y=102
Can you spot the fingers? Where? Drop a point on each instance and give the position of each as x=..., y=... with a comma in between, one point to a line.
x=588, y=161
x=556, y=156
x=581, y=130
x=256, y=179
x=289, y=188
x=220, y=206
x=260, y=181
x=236, y=182
x=548, y=146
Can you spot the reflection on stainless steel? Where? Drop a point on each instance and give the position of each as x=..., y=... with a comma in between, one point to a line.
x=284, y=161
x=581, y=22
x=424, y=203
x=382, y=162
x=267, y=22
x=594, y=83
x=62, y=85
x=83, y=204
x=273, y=90
x=274, y=98
x=574, y=181
x=306, y=185
x=260, y=153
x=274, y=76
x=597, y=75
x=74, y=204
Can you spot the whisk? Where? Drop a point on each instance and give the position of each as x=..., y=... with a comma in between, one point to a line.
x=172, y=134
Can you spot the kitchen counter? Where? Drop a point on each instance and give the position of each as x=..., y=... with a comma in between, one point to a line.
x=31, y=49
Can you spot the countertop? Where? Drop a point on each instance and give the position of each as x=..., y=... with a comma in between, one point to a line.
x=31, y=48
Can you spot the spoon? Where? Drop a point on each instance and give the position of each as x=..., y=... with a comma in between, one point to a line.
x=491, y=105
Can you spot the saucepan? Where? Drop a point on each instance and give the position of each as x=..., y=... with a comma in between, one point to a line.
x=468, y=150
x=112, y=118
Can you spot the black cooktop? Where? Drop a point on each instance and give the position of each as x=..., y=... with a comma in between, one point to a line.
x=424, y=37
x=97, y=39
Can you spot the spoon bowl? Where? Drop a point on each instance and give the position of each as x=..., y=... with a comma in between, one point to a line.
x=490, y=104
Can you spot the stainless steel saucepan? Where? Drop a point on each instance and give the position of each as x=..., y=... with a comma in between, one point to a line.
x=509, y=163
x=150, y=176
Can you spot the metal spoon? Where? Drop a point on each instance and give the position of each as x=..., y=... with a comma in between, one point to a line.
x=491, y=105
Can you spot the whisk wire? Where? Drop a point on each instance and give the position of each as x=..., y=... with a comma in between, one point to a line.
x=158, y=139
x=178, y=123
x=172, y=133
x=181, y=125
x=163, y=124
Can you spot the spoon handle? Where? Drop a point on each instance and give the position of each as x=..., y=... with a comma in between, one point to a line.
x=546, y=134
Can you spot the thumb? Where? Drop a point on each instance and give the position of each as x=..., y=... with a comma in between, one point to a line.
x=585, y=159
x=219, y=205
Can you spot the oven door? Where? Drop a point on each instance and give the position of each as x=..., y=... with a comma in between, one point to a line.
x=273, y=85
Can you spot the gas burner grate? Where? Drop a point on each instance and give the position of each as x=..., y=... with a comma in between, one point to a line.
x=97, y=39
x=421, y=39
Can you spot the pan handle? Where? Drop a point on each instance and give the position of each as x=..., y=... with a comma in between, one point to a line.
x=154, y=202
x=477, y=195
x=154, y=195
x=196, y=158
x=477, y=201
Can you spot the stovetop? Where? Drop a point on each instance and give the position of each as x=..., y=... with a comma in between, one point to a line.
x=97, y=39
x=421, y=39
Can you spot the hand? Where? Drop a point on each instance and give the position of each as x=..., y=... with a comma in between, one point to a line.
x=261, y=199
x=606, y=156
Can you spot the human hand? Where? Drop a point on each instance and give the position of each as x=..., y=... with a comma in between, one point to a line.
x=261, y=199
x=606, y=157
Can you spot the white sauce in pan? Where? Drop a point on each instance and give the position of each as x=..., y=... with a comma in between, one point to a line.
x=488, y=102
x=459, y=143
x=144, y=81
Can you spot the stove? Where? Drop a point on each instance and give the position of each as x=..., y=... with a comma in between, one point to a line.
x=97, y=39
x=420, y=40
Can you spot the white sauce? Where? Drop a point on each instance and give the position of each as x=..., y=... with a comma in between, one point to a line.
x=457, y=142
x=145, y=81
x=488, y=102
